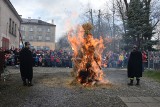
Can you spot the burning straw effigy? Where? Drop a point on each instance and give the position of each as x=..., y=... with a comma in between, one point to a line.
x=87, y=56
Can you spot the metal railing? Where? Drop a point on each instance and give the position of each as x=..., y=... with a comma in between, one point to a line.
x=153, y=60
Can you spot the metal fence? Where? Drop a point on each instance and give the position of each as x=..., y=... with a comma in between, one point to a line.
x=153, y=60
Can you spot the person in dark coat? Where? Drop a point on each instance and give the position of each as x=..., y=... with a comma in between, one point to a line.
x=26, y=65
x=2, y=61
x=135, y=65
x=16, y=57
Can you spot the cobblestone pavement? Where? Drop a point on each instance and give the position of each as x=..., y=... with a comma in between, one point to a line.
x=53, y=88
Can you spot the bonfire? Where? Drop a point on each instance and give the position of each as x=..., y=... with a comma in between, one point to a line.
x=87, y=56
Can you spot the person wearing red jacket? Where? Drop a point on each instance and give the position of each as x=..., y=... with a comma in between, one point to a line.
x=144, y=59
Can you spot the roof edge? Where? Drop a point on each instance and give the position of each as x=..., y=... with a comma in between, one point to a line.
x=13, y=9
x=39, y=22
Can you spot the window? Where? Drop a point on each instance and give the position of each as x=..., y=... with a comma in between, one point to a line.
x=12, y=27
x=23, y=28
x=39, y=29
x=38, y=48
x=10, y=23
x=48, y=30
x=23, y=37
x=39, y=37
x=31, y=29
x=47, y=38
x=46, y=48
x=15, y=29
x=31, y=37
x=32, y=47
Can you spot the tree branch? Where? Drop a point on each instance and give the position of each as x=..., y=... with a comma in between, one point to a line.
x=125, y=1
x=155, y=24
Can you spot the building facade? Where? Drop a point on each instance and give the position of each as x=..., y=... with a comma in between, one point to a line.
x=40, y=34
x=9, y=25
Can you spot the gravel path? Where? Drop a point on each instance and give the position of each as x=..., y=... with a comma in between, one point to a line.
x=53, y=88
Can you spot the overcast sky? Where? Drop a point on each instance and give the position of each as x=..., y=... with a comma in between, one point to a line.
x=61, y=11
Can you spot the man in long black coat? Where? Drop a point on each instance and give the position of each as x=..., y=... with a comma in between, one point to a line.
x=26, y=65
x=135, y=65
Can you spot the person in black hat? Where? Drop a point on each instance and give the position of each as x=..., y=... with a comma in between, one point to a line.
x=135, y=65
x=26, y=65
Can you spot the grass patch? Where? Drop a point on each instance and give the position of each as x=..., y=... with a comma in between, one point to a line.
x=152, y=74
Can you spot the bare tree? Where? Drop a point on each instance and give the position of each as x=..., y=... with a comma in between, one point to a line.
x=63, y=43
x=121, y=9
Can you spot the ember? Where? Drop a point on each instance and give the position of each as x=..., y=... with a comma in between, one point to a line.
x=87, y=56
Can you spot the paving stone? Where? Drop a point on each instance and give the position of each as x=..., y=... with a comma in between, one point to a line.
x=148, y=99
x=130, y=99
x=157, y=98
x=141, y=101
x=135, y=105
x=153, y=104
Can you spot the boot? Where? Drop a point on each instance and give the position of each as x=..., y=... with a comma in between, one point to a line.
x=138, y=80
x=24, y=83
x=30, y=83
x=131, y=83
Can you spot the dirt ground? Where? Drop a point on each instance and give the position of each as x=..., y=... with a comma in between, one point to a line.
x=53, y=88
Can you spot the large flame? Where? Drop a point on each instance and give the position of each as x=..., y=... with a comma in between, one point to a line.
x=87, y=56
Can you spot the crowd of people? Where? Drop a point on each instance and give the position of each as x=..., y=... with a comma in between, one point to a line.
x=117, y=60
x=120, y=60
x=42, y=58
x=62, y=58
